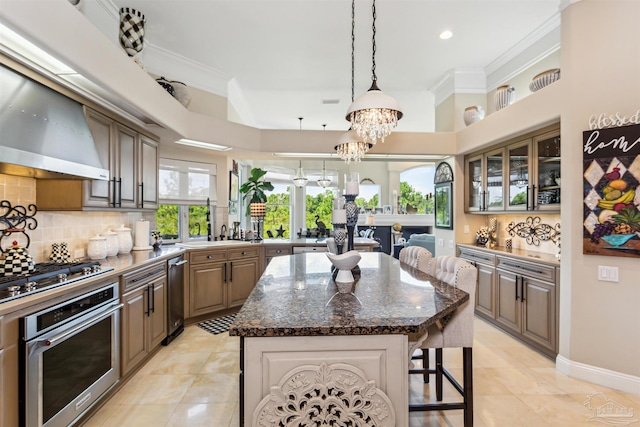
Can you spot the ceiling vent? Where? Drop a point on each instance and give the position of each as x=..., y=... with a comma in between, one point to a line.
x=330, y=101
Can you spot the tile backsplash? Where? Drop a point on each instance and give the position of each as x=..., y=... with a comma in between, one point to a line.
x=75, y=228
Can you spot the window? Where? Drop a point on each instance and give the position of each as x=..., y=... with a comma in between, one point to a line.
x=369, y=197
x=318, y=207
x=277, y=219
x=416, y=189
x=185, y=188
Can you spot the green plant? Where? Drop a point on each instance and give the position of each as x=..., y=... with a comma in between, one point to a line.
x=254, y=189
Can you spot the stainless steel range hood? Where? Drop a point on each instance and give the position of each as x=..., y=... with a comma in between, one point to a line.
x=44, y=134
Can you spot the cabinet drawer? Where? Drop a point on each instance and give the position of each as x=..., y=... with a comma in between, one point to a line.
x=244, y=253
x=201, y=257
x=529, y=269
x=278, y=251
x=303, y=249
x=478, y=256
x=142, y=277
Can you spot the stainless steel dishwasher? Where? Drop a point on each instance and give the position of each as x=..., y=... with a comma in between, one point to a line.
x=175, y=295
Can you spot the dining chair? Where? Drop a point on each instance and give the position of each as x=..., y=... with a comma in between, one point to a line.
x=416, y=257
x=456, y=333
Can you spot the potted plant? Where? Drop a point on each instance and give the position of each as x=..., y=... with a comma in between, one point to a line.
x=253, y=190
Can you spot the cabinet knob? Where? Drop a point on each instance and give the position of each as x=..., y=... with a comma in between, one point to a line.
x=244, y=253
x=278, y=251
x=209, y=257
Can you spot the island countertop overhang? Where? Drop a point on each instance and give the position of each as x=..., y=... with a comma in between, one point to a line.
x=296, y=296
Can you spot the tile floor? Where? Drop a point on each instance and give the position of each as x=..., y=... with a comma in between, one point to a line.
x=194, y=382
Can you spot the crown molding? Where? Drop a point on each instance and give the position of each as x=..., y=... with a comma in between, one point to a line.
x=460, y=80
x=239, y=103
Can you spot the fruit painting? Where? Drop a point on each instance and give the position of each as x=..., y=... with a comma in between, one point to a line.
x=611, y=159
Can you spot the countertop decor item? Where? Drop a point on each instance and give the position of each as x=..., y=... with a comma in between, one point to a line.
x=16, y=260
x=125, y=241
x=344, y=263
x=544, y=79
x=504, y=96
x=60, y=252
x=142, y=236
x=473, y=114
x=253, y=190
x=97, y=247
x=112, y=242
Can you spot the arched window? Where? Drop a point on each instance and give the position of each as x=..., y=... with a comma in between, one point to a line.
x=416, y=189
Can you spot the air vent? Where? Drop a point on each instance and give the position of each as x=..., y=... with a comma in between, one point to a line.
x=330, y=101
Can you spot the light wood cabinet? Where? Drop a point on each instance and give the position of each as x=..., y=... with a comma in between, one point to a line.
x=132, y=161
x=221, y=278
x=522, y=174
x=144, y=315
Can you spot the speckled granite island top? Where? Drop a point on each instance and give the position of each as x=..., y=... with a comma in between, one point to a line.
x=294, y=298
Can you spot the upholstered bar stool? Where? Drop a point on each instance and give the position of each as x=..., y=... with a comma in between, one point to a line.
x=416, y=257
x=458, y=332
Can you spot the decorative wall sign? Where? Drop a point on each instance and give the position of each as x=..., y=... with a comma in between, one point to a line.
x=611, y=177
x=611, y=160
x=533, y=231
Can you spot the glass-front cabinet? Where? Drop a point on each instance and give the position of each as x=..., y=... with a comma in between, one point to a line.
x=522, y=175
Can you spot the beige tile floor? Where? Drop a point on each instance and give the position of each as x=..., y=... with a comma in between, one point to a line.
x=194, y=382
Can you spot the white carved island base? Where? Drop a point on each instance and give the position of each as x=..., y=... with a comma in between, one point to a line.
x=325, y=380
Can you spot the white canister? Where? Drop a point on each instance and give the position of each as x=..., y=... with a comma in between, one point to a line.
x=112, y=243
x=97, y=247
x=125, y=241
x=473, y=114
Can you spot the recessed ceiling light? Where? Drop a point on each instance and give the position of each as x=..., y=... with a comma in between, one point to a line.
x=446, y=35
x=201, y=144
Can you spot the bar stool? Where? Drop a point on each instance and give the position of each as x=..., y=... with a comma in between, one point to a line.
x=458, y=332
x=416, y=257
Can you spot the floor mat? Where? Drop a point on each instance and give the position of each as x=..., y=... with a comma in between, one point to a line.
x=217, y=325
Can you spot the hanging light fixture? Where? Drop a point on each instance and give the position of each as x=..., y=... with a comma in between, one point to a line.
x=300, y=179
x=350, y=146
x=374, y=114
x=324, y=181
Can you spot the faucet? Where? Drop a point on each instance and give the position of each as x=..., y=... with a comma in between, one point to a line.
x=223, y=231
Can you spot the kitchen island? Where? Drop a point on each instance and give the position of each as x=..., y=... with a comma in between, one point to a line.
x=308, y=354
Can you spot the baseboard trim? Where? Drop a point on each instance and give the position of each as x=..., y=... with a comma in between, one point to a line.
x=596, y=375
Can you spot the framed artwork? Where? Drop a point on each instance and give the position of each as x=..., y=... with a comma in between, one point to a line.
x=234, y=186
x=386, y=209
x=378, y=211
x=234, y=167
x=611, y=177
x=233, y=208
x=444, y=205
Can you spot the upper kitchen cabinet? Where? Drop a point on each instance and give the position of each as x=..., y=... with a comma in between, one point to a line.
x=520, y=175
x=485, y=181
x=132, y=161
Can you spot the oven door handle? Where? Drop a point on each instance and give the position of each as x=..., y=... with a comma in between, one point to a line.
x=53, y=340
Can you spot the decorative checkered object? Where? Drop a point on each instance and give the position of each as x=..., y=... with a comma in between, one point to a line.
x=217, y=325
x=16, y=261
x=59, y=252
x=131, y=30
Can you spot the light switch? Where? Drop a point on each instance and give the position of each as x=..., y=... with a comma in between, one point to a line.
x=441, y=243
x=450, y=244
x=466, y=229
x=607, y=273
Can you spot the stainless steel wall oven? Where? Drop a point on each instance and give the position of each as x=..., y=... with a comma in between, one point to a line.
x=69, y=357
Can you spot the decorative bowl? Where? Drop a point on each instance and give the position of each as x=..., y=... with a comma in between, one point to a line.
x=544, y=79
x=618, y=239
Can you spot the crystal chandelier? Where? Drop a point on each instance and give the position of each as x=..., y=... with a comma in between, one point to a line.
x=324, y=181
x=300, y=179
x=350, y=146
x=374, y=114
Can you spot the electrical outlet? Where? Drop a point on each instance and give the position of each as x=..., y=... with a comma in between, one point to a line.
x=466, y=229
x=441, y=243
x=607, y=273
x=450, y=244
x=78, y=253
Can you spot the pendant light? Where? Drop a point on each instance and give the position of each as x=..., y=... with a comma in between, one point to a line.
x=324, y=181
x=300, y=179
x=374, y=114
x=350, y=146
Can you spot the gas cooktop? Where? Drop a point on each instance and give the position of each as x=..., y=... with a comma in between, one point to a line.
x=48, y=275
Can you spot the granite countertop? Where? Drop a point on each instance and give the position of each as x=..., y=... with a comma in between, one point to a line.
x=533, y=256
x=139, y=259
x=294, y=298
x=315, y=241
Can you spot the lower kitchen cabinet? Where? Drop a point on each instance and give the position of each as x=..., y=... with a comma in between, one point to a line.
x=144, y=315
x=221, y=278
x=517, y=295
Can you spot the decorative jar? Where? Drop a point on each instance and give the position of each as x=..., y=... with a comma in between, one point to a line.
x=97, y=247
x=504, y=96
x=125, y=241
x=473, y=114
x=113, y=246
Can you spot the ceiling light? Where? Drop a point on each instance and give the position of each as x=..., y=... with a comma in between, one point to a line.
x=350, y=146
x=445, y=35
x=324, y=181
x=300, y=179
x=201, y=144
x=374, y=114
